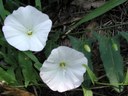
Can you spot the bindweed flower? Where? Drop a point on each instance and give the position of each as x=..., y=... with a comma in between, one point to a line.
x=27, y=29
x=63, y=70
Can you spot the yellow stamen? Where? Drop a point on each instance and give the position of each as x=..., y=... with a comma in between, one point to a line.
x=62, y=64
x=29, y=33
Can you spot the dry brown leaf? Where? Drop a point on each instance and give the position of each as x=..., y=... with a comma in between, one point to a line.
x=87, y=4
x=91, y=26
x=11, y=91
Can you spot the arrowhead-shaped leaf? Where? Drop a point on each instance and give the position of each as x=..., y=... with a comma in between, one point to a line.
x=112, y=60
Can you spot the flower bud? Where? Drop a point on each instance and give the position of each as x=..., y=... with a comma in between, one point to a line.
x=115, y=47
x=87, y=48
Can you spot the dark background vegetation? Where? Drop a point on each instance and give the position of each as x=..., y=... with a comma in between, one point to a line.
x=63, y=13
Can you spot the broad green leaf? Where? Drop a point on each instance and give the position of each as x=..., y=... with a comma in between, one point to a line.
x=77, y=43
x=19, y=75
x=99, y=11
x=29, y=73
x=33, y=58
x=87, y=92
x=112, y=60
x=126, y=78
x=38, y=3
x=6, y=76
x=91, y=74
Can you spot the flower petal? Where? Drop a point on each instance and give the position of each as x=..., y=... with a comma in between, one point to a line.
x=35, y=15
x=12, y=22
x=19, y=41
x=27, y=16
x=42, y=30
x=11, y=32
x=35, y=44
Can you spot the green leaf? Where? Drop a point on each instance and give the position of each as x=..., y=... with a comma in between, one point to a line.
x=87, y=92
x=29, y=73
x=38, y=3
x=6, y=76
x=112, y=60
x=77, y=44
x=99, y=11
x=52, y=43
x=49, y=47
x=33, y=58
x=124, y=35
x=126, y=78
x=9, y=59
x=91, y=74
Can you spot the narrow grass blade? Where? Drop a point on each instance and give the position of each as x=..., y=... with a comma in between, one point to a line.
x=126, y=78
x=91, y=74
x=2, y=10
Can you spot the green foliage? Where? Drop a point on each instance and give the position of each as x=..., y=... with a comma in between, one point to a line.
x=52, y=43
x=112, y=60
x=33, y=58
x=91, y=74
x=38, y=4
x=17, y=67
x=87, y=92
x=126, y=78
x=7, y=77
x=29, y=73
x=124, y=35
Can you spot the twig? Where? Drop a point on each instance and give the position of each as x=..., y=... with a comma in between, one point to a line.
x=108, y=27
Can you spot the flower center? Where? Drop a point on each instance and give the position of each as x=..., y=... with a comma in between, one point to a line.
x=29, y=33
x=62, y=64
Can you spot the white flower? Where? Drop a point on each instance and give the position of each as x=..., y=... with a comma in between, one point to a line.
x=63, y=70
x=27, y=29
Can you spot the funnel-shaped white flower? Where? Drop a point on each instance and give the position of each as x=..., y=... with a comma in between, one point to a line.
x=27, y=29
x=63, y=70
